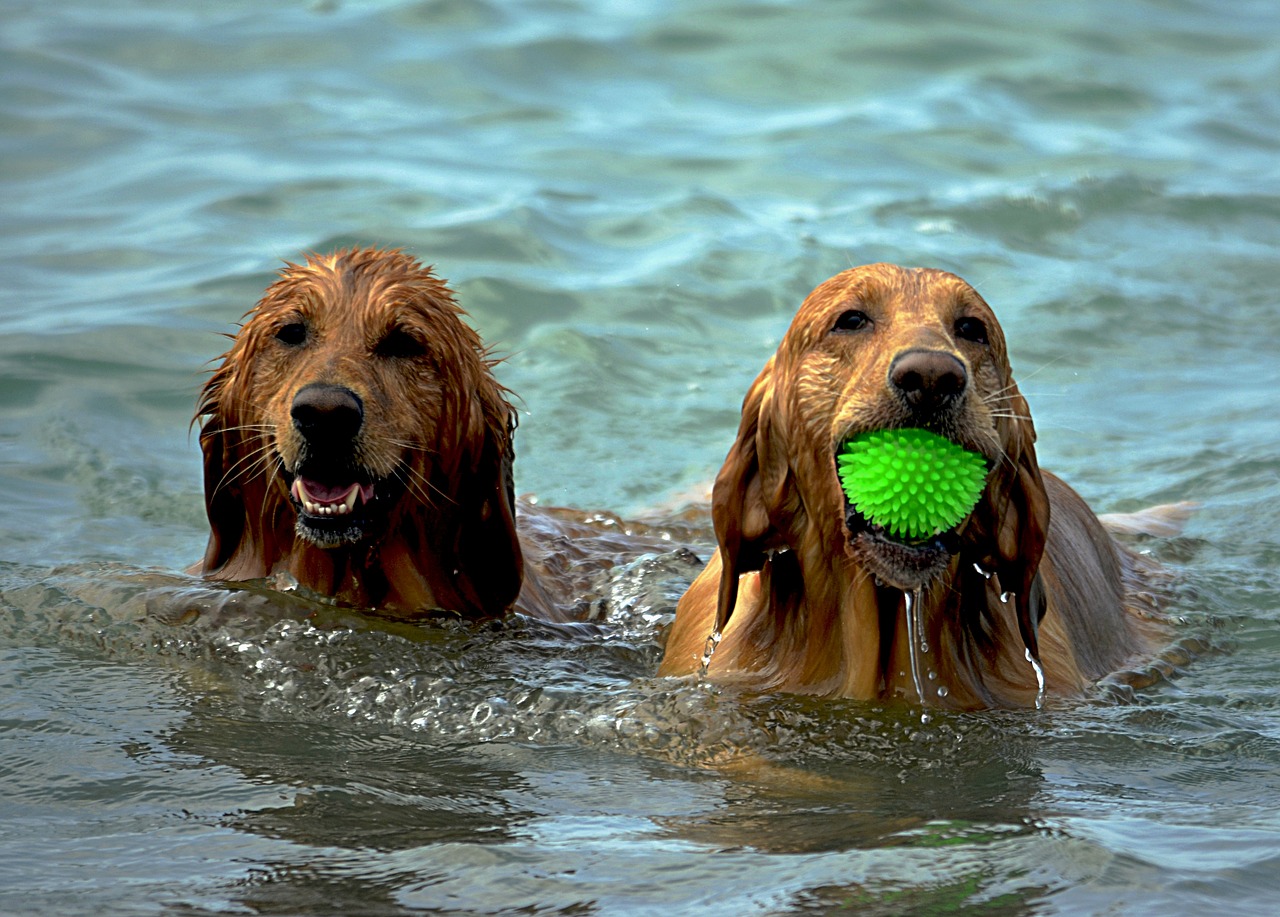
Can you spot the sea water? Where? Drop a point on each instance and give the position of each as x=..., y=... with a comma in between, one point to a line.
x=631, y=200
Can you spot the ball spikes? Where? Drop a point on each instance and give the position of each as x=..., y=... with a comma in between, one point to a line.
x=912, y=483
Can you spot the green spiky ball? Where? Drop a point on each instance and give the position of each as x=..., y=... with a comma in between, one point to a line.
x=912, y=483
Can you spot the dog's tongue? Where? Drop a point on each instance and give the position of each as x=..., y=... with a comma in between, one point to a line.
x=323, y=493
x=309, y=491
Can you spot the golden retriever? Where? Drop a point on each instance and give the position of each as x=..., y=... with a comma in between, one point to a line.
x=1028, y=593
x=357, y=444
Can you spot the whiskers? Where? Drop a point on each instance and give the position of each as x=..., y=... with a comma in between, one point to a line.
x=1002, y=404
x=1005, y=411
x=415, y=481
x=999, y=401
x=260, y=460
x=420, y=487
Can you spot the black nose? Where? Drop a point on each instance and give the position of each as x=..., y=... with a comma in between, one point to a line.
x=927, y=380
x=327, y=413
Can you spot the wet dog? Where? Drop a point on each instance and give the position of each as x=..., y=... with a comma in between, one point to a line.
x=357, y=445
x=356, y=442
x=811, y=597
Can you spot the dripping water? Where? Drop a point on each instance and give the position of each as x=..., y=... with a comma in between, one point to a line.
x=1033, y=659
x=709, y=649
x=1039, y=670
x=917, y=643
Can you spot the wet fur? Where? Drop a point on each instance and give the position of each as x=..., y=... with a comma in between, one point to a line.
x=446, y=534
x=437, y=431
x=810, y=606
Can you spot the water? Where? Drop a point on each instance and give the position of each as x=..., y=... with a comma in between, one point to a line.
x=631, y=199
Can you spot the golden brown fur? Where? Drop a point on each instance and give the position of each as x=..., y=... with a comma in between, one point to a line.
x=812, y=599
x=356, y=370
x=356, y=382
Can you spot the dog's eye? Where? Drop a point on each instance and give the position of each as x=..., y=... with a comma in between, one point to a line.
x=971, y=329
x=400, y=343
x=852, y=320
x=292, y=334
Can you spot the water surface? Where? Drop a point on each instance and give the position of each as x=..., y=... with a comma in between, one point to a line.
x=631, y=200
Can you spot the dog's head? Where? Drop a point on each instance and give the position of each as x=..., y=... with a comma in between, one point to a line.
x=356, y=407
x=880, y=347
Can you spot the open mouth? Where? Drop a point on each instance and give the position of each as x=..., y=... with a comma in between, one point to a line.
x=316, y=499
x=332, y=513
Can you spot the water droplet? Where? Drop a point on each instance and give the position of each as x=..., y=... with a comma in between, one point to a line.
x=943, y=691
x=1039, y=670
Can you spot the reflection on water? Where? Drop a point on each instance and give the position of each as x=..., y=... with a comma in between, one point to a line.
x=631, y=200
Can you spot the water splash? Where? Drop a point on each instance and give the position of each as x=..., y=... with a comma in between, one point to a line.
x=709, y=650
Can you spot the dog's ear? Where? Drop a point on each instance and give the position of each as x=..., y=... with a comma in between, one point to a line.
x=1008, y=529
x=232, y=485
x=744, y=501
x=488, y=553
x=223, y=502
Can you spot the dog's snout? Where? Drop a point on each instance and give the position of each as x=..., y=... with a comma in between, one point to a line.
x=327, y=412
x=927, y=380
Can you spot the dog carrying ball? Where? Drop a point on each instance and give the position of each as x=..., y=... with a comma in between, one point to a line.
x=912, y=483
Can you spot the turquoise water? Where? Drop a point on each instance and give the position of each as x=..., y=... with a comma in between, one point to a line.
x=631, y=200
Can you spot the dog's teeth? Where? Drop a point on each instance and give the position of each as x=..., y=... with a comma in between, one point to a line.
x=343, y=507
